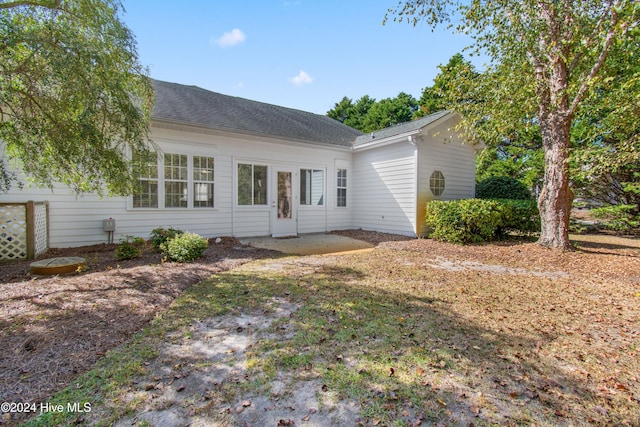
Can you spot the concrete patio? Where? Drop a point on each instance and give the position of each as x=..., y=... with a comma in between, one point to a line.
x=309, y=244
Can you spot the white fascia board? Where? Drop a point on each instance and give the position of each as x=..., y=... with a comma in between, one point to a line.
x=406, y=136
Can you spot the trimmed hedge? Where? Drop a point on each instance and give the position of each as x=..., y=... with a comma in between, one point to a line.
x=479, y=220
x=502, y=187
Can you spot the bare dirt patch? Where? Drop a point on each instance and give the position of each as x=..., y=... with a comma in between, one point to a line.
x=54, y=328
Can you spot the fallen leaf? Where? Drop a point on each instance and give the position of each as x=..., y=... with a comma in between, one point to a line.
x=621, y=387
x=306, y=418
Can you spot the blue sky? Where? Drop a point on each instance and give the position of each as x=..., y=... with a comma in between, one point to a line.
x=304, y=54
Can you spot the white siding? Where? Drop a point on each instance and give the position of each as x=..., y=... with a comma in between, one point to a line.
x=387, y=188
x=441, y=149
x=77, y=221
x=385, y=194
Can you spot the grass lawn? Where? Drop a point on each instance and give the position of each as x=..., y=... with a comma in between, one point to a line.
x=411, y=333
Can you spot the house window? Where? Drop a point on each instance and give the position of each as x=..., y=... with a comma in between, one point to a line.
x=436, y=183
x=252, y=184
x=203, y=182
x=175, y=181
x=166, y=184
x=146, y=167
x=311, y=187
x=342, y=188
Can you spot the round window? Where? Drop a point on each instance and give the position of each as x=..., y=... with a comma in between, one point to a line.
x=436, y=183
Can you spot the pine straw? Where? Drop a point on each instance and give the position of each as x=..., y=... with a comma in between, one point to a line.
x=522, y=334
x=54, y=328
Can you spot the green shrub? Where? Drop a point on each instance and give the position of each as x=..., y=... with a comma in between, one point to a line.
x=478, y=220
x=463, y=221
x=519, y=216
x=620, y=218
x=130, y=248
x=184, y=247
x=502, y=187
x=159, y=236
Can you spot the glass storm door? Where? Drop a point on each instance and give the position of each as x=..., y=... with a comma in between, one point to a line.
x=283, y=204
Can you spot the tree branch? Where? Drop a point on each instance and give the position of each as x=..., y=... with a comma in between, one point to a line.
x=49, y=4
x=606, y=48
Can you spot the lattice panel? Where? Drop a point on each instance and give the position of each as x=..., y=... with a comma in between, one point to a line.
x=13, y=232
x=42, y=243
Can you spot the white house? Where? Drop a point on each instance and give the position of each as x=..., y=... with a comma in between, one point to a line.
x=230, y=166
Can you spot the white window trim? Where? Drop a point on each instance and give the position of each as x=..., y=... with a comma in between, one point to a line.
x=252, y=206
x=341, y=164
x=190, y=182
x=324, y=186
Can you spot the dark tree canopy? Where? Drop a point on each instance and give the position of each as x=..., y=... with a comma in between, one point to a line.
x=369, y=115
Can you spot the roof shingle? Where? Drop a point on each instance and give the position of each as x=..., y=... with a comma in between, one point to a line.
x=196, y=106
x=401, y=128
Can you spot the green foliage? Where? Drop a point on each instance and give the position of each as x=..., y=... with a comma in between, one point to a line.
x=479, y=220
x=185, y=247
x=442, y=94
x=621, y=218
x=159, y=236
x=367, y=115
x=518, y=216
x=74, y=99
x=463, y=221
x=130, y=248
x=606, y=141
x=502, y=187
x=545, y=60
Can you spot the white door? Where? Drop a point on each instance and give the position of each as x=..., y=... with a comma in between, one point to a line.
x=284, y=203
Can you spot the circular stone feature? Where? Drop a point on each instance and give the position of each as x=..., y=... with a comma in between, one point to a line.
x=61, y=265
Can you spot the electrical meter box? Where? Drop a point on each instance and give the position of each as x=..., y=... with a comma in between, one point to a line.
x=109, y=224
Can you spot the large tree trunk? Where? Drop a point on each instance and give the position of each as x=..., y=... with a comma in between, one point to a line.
x=556, y=197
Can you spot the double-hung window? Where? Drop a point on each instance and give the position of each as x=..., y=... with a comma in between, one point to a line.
x=175, y=181
x=252, y=184
x=146, y=166
x=342, y=188
x=311, y=187
x=203, y=168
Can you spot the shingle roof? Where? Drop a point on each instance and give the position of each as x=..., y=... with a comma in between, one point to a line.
x=401, y=128
x=196, y=106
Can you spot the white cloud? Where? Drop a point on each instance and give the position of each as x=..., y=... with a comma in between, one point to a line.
x=231, y=38
x=301, y=79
